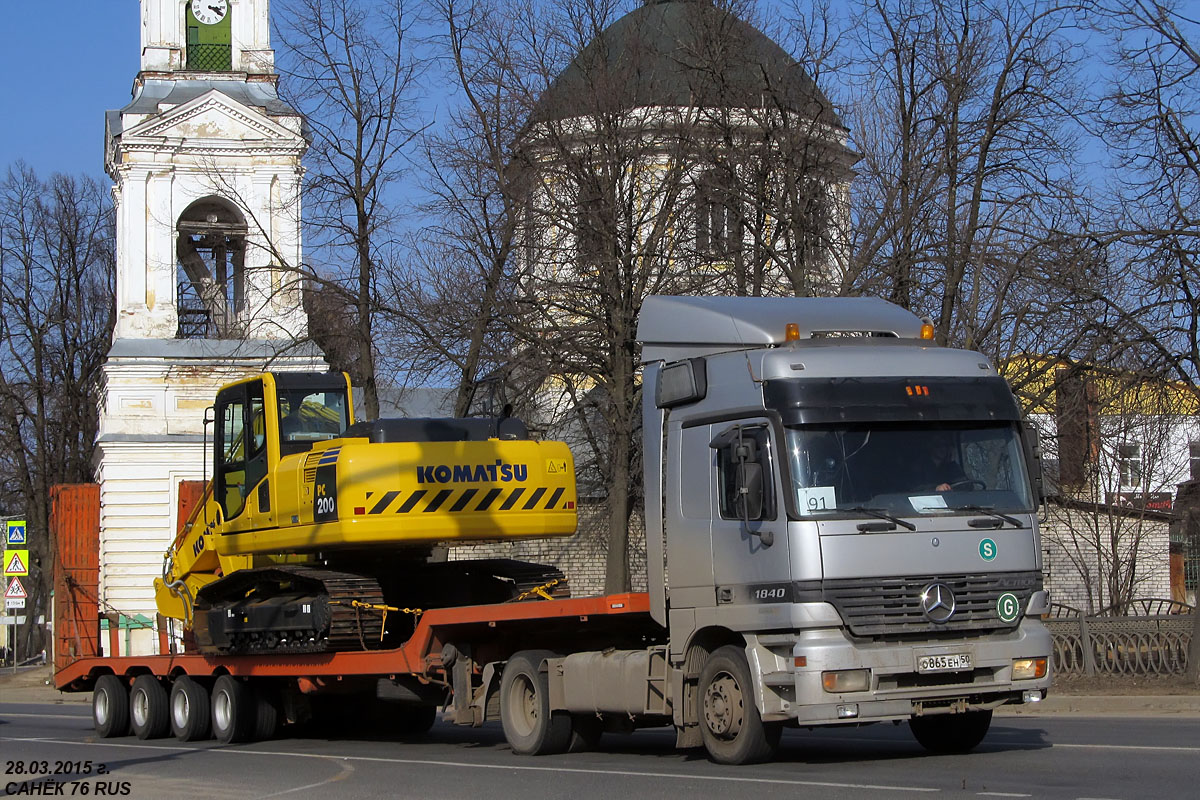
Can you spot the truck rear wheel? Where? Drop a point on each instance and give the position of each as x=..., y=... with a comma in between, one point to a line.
x=732, y=729
x=110, y=707
x=149, y=709
x=529, y=726
x=234, y=710
x=191, y=710
x=951, y=733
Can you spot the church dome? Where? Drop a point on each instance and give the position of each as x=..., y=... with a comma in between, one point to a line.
x=682, y=53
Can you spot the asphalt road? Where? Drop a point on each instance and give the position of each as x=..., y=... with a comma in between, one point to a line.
x=1028, y=756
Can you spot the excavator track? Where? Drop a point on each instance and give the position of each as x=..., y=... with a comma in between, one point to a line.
x=289, y=609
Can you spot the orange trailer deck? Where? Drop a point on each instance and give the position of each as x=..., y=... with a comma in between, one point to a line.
x=420, y=655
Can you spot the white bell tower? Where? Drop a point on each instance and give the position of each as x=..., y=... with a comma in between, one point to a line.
x=206, y=166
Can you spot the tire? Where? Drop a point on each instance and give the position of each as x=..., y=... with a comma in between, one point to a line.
x=529, y=727
x=191, y=710
x=730, y=725
x=412, y=721
x=149, y=708
x=234, y=712
x=266, y=711
x=951, y=733
x=586, y=730
x=110, y=707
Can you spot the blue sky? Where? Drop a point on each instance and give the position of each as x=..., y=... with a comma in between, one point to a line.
x=64, y=63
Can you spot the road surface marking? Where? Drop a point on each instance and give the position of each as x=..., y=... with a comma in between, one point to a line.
x=1147, y=747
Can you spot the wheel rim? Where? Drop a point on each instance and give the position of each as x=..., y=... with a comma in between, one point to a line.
x=724, y=709
x=523, y=703
x=140, y=707
x=100, y=708
x=181, y=710
x=222, y=706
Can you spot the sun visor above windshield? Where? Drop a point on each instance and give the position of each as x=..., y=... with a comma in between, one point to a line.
x=802, y=402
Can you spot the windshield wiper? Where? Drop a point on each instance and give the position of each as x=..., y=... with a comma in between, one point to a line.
x=878, y=514
x=991, y=513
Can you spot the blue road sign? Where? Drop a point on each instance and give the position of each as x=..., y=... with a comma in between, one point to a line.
x=16, y=532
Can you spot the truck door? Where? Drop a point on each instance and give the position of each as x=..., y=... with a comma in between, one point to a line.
x=750, y=548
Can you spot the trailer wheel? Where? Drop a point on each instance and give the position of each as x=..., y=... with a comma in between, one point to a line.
x=191, y=710
x=951, y=733
x=529, y=726
x=233, y=710
x=149, y=709
x=110, y=707
x=266, y=711
x=732, y=729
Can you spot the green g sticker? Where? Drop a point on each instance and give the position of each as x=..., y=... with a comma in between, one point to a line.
x=1008, y=607
x=987, y=550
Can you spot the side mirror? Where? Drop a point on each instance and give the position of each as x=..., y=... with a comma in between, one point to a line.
x=1032, y=444
x=750, y=490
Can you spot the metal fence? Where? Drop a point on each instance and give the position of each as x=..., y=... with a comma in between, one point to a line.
x=1151, y=638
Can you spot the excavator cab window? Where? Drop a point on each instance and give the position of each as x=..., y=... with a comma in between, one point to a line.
x=241, y=445
x=310, y=415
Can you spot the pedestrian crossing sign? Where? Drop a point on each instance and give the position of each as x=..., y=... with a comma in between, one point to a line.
x=15, y=533
x=16, y=562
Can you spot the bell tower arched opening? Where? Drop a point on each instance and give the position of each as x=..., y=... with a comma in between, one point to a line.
x=211, y=253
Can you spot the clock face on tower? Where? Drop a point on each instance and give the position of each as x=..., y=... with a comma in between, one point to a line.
x=209, y=12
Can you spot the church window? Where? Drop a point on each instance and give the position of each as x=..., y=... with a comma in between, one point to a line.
x=718, y=219
x=209, y=36
x=211, y=249
x=595, y=222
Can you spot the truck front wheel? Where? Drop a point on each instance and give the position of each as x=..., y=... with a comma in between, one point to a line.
x=529, y=726
x=148, y=708
x=732, y=729
x=110, y=707
x=951, y=733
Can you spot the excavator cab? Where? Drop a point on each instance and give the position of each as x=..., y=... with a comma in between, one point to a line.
x=262, y=419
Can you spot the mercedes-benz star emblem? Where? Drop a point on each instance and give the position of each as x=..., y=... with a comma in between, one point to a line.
x=937, y=601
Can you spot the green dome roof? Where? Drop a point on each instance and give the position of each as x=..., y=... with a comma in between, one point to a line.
x=682, y=53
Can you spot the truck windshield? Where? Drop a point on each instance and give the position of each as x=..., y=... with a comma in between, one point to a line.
x=907, y=469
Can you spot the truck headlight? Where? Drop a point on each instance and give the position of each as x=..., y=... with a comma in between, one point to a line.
x=1024, y=669
x=846, y=680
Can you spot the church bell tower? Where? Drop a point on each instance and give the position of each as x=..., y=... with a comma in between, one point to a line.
x=206, y=166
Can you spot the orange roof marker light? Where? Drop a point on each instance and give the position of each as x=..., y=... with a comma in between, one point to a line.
x=792, y=332
x=926, y=330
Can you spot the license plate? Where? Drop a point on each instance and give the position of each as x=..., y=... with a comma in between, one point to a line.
x=955, y=662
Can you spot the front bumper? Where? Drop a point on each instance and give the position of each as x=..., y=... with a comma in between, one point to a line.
x=791, y=675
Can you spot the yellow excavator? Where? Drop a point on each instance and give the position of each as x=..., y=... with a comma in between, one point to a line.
x=318, y=533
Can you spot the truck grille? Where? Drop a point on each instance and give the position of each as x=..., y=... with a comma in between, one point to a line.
x=891, y=607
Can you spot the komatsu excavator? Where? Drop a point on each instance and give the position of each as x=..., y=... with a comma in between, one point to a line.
x=316, y=533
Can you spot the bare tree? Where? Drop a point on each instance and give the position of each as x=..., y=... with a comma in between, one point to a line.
x=1148, y=118
x=965, y=120
x=351, y=68
x=56, y=316
x=453, y=310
